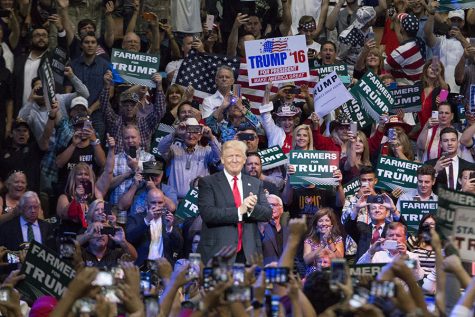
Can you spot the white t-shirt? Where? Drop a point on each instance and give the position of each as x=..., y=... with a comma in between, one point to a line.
x=186, y=16
x=450, y=50
x=305, y=7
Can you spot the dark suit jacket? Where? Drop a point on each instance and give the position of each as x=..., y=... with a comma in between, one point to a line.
x=362, y=234
x=269, y=243
x=442, y=176
x=138, y=234
x=11, y=236
x=220, y=215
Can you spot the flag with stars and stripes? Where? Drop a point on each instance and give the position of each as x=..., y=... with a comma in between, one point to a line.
x=199, y=70
x=274, y=46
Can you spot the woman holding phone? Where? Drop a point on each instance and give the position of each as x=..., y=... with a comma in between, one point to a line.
x=357, y=156
x=420, y=243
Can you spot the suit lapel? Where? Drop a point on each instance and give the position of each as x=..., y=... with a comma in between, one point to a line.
x=224, y=185
x=270, y=232
x=246, y=186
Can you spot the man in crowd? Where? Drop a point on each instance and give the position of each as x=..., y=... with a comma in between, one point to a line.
x=274, y=234
x=230, y=204
x=253, y=168
x=224, y=83
x=423, y=192
x=467, y=181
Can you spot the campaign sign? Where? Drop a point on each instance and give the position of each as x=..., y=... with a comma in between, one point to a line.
x=329, y=94
x=314, y=167
x=47, y=80
x=162, y=131
x=413, y=211
x=449, y=5
x=272, y=157
x=58, y=62
x=340, y=69
x=373, y=96
x=407, y=98
x=369, y=269
x=45, y=273
x=134, y=68
x=464, y=232
x=394, y=173
x=352, y=187
x=449, y=201
x=188, y=206
x=279, y=60
x=356, y=113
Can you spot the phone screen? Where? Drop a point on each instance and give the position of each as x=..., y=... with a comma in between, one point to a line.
x=132, y=151
x=337, y=273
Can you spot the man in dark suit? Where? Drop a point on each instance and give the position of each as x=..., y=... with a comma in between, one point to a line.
x=26, y=226
x=152, y=233
x=231, y=204
x=274, y=235
x=380, y=208
x=449, y=166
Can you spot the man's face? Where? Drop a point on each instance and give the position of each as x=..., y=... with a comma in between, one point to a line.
x=131, y=42
x=397, y=235
x=186, y=45
x=156, y=203
x=99, y=240
x=128, y=109
x=277, y=208
x=39, y=40
x=467, y=185
x=445, y=115
x=328, y=54
x=253, y=26
x=224, y=79
x=287, y=123
x=186, y=111
x=86, y=29
x=449, y=143
x=254, y=166
x=457, y=22
x=424, y=184
x=233, y=160
x=252, y=145
x=20, y=135
x=378, y=213
x=369, y=180
x=89, y=45
x=192, y=138
x=342, y=132
x=131, y=138
x=31, y=209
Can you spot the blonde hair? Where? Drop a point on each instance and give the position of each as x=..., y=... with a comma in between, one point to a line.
x=310, y=135
x=70, y=188
x=235, y=145
x=91, y=208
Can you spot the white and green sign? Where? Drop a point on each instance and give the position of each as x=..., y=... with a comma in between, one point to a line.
x=188, y=206
x=373, y=96
x=45, y=273
x=47, y=80
x=369, y=269
x=464, y=232
x=407, y=98
x=449, y=5
x=356, y=113
x=352, y=187
x=162, y=131
x=449, y=201
x=314, y=167
x=59, y=59
x=341, y=70
x=413, y=211
x=395, y=173
x=272, y=157
x=134, y=67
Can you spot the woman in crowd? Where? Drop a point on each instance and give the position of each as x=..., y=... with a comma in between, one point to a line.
x=370, y=59
x=432, y=84
x=324, y=235
x=16, y=185
x=173, y=98
x=302, y=138
x=420, y=243
x=357, y=156
x=401, y=147
x=97, y=217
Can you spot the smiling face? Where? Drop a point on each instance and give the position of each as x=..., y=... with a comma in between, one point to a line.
x=449, y=143
x=82, y=175
x=373, y=60
x=131, y=138
x=17, y=183
x=324, y=225
x=302, y=139
x=424, y=184
x=358, y=146
x=287, y=124
x=378, y=213
x=174, y=97
x=233, y=160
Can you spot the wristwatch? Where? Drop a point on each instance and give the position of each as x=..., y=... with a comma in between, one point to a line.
x=96, y=142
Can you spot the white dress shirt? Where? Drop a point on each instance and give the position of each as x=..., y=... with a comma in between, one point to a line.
x=155, y=250
x=30, y=72
x=210, y=104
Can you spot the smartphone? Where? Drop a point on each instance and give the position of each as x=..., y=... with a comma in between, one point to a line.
x=194, y=129
x=67, y=248
x=392, y=135
x=364, y=184
x=374, y=199
x=118, y=273
x=384, y=289
x=87, y=124
x=416, y=198
x=208, y=279
x=108, y=230
x=239, y=271
x=107, y=208
x=275, y=305
x=84, y=306
x=435, y=114
x=132, y=152
x=246, y=137
x=209, y=22
x=444, y=155
x=279, y=275
x=295, y=91
x=237, y=90
x=472, y=175
x=393, y=85
x=411, y=263
x=163, y=21
x=4, y=294
x=444, y=93
x=337, y=273
x=152, y=307
x=148, y=16
x=195, y=261
x=145, y=282
x=389, y=245
x=110, y=293
x=353, y=127
x=238, y=294
x=370, y=36
x=103, y=278
x=87, y=185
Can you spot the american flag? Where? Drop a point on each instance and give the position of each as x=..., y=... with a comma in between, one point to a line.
x=271, y=46
x=199, y=70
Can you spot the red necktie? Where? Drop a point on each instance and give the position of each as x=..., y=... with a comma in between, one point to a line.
x=237, y=202
x=376, y=235
x=451, y=176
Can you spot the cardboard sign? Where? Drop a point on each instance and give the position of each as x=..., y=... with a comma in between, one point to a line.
x=58, y=62
x=188, y=206
x=46, y=273
x=314, y=167
x=279, y=60
x=370, y=269
x=355, y=112
x=134, y=68
x=373, y=96
x=464, y=232
x=393, y=173
x=329, y=94
x=449, y=201
x=47, y=80
x=341, y=70
x=407, y=98
x=413, y=211
x=272, y=157
x=352, y=187
x=162, y=131
x=449, y=5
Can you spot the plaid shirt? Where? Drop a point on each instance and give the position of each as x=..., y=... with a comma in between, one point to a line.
x=63, y=134
x=121, y=167
x=146, y=125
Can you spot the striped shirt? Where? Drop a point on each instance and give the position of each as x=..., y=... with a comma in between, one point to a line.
x=426, y=257
x=406, y=61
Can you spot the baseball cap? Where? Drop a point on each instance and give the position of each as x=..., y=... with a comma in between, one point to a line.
x=152, y=167
x=129, y=96
x=19, y=122
x=457, y=14
x=79, y=101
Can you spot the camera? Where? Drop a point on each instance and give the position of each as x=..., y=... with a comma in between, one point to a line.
x=104, y=278
x=295, y=91
x=145, y=282
x=11, y=257
x=67, y=248
x=108, y=231
x=238, y=273
x=238, y=294
x=194, y=129
x=246, y=137
x=132, y=152
x=208, y=279
x=4, y=294
x=84, y=306
x=195, y=261
x=389, y=245
x=152, y=307
x=279, y=275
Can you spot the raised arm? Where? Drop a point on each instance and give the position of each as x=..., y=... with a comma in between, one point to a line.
x=233, y=39
x=109, y=24
x=322, y=18
x=333, y=17
x=286, y=23
x=67, y=24
x=104, y=181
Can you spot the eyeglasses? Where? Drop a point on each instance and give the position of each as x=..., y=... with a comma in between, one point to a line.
x=275, y=205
